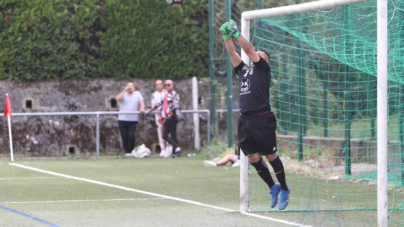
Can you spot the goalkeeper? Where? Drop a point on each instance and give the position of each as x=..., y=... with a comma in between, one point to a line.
x=257, y=123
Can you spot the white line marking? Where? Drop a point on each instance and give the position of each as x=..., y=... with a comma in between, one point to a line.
x=151, y=193
x=29, y=178
x=88, y=200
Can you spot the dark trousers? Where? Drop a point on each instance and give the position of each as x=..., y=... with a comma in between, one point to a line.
x=170, y=126
x=128, y=129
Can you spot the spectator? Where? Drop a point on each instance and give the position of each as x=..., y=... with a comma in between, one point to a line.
x=157, y=99
x=169, y=106
x=234, y=159
x=130, y=101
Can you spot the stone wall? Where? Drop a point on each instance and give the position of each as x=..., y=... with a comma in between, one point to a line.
x=57, y=135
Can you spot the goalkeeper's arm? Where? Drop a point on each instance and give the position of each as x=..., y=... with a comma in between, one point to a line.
x=234, y=56
x=248, y=49
x=244, y=44
x=231, y=49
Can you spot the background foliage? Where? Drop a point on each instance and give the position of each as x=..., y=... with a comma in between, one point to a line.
x=122, y=39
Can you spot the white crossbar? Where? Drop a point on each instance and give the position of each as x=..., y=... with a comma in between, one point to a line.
x=299, y=8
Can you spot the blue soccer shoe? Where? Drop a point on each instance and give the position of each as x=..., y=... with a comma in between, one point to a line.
x=275, y=190
x=284, y=201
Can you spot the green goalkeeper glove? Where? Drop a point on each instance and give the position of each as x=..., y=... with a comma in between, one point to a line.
x=233, y=29
x=225, y=31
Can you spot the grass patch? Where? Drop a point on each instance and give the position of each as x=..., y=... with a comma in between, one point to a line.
x=212, y=150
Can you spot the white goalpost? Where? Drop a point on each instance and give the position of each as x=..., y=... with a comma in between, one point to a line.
x=382, y=92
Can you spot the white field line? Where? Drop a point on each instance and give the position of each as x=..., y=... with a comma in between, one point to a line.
x=29, y=178
x=152, y=194
x=76, y=201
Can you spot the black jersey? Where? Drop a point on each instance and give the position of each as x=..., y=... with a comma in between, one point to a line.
x=254, y=86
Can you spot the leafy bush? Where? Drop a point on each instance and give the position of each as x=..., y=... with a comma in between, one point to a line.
x=213, y=150
x=122, y=39
x=152, y=39
x=44, y=40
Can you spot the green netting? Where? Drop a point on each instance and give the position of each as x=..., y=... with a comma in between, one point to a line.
x=324, y=95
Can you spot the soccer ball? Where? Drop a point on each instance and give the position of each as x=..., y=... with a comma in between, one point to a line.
x=175, y=2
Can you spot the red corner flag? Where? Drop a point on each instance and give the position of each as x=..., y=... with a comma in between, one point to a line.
x=7, y=109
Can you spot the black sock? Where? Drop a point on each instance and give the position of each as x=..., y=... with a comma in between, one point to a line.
x=279, y=172
x=263, y=171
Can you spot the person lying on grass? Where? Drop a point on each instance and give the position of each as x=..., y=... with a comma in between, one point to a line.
x=234, y=159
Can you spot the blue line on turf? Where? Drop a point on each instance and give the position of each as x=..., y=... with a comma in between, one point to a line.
x=28, y=216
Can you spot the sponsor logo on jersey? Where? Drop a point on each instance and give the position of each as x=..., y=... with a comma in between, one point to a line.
x=246, y=72
x=245, y=86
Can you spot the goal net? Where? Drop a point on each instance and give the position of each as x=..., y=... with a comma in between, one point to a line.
x=324, y=95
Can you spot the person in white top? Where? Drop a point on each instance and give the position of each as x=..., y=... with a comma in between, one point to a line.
x=130, y=101
x=168, y=112
x=157, y=99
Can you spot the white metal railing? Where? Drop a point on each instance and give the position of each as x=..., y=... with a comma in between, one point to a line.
x=98, y=113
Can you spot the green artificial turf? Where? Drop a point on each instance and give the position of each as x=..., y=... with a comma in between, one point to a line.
x=71, y=202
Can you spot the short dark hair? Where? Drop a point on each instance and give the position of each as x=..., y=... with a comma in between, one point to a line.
x=266, y=52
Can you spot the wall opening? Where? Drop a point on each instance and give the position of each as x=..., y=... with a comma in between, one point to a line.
x=111, y=103
x=71, y=150
x=114, y=104
x=28, y=104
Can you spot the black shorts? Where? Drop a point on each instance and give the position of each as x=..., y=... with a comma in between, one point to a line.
x=256, y=134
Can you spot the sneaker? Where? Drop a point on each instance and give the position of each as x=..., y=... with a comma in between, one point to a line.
x=168, y=152
x=209, y=163
x=172, y=156
x=162, y=152
x=178, y=152
x=236, y=164
x=129, y=155
x=275, y=190
x=283, y=203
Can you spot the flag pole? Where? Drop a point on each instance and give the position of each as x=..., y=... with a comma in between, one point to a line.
x=11, y=139
x=7, y=113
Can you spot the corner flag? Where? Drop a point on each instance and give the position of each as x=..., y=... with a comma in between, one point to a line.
x=7, y=113
x=7, y=108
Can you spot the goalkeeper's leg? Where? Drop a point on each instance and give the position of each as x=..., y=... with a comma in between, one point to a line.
x=279, y=170
x=263, y=171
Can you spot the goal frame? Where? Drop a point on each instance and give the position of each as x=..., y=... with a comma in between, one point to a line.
x=382, y=92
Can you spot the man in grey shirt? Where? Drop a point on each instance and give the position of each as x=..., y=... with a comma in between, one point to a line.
x=130, y=101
